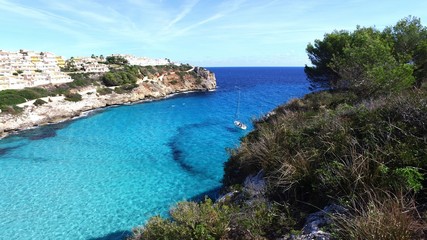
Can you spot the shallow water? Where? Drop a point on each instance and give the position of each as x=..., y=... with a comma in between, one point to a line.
x=99, y=176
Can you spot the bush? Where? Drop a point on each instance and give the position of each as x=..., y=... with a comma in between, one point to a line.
x=62, y=90
x=41, y=91
x=80, y=80
x=125, y=88
x=116, y=60
x=119, y=78
x=73, y=97
x=13, y=109
x=103, y=91
x=151, y=70
x=184, y=67
x=29, y=94
x=378, y=219
x=39, y=102
x=11, y=99
x=129, y=87
x=190, y=220
x=208, y=220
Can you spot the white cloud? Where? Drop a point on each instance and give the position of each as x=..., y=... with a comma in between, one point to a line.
x=186, y=10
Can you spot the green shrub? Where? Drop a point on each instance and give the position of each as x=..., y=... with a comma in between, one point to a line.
x=151, y=70
x=129, y=87
x=9, y=91
x=262, y=219
x=13, y=109
x=11, y=99
x=41, y=91
x=104, y=91
x=80, y=80
x=412, y=177
x=39, y=102
x=73, y=97
x=207, y=220
x=125, y=88
x=62, y=90
x=29, y=94
x=116, y=60
x=118, y=78
x=119, y=90
x=184, y=67
x=190, y=220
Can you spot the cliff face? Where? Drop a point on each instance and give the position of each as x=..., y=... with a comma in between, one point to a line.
x=58, y=109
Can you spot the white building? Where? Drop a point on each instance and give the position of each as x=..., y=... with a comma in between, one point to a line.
x=143, y=61
x=87, y=64
x=29, y=69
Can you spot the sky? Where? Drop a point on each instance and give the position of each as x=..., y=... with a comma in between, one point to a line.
x=200, y=32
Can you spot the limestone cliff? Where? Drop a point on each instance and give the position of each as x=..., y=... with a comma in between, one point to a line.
x=153, y=86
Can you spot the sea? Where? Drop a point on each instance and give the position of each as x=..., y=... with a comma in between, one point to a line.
x=99, y=176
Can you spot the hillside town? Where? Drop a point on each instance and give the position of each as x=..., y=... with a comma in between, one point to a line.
x=28, y=69
x=25, y=68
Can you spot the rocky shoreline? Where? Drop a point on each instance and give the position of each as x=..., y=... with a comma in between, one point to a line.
x=57, y=109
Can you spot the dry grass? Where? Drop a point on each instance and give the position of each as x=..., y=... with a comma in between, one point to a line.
x=375, y=219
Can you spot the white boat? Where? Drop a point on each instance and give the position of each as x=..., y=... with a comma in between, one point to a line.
x=238, y=123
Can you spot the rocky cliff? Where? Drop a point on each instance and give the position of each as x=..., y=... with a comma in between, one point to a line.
x=154, y=86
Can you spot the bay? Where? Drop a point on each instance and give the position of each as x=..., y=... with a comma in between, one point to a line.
x=97, y=177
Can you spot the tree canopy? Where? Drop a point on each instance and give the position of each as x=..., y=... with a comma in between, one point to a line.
x=116, y=60
x=128, y=75
x=370, y=60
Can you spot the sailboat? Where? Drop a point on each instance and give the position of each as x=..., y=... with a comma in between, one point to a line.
x=238, y=123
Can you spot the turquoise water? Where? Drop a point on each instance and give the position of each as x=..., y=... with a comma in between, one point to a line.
x=99, y=176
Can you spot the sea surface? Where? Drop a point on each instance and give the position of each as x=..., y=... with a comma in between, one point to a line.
x=99, y=176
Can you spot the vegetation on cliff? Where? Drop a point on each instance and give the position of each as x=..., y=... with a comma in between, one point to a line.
x=361, y=144
x=129, y=75
x=11, y=97
x=121, y=79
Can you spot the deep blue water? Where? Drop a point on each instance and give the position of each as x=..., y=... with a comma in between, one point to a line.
x=99, y=176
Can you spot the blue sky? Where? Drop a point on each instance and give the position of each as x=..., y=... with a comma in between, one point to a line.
x=199, y=32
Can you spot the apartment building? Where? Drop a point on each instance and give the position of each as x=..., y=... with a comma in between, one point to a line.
x=143, y=61
x=87, y=64
x=29, y=69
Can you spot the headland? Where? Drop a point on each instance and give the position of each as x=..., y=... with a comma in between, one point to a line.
x=123, y=84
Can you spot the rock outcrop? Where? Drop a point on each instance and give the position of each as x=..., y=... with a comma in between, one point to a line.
x=57, y=109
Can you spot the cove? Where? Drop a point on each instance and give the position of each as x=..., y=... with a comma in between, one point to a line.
x=99, y=176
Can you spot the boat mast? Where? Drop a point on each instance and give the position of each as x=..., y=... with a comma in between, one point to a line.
x=238, y=107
